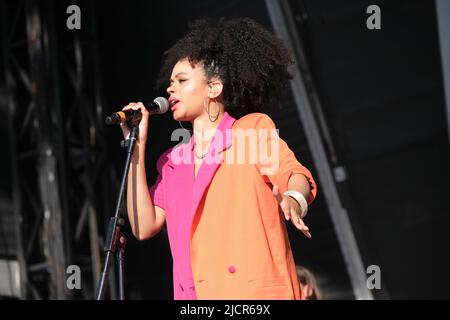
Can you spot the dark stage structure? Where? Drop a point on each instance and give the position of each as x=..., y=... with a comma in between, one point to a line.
x=366, y=111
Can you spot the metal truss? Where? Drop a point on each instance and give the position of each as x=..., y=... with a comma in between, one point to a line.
x=59, y=154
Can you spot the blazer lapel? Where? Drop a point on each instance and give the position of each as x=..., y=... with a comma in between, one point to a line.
x=222, y=140
x=180, y=178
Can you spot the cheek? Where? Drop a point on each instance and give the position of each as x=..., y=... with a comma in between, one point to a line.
x=192, y=96
x=188, y=90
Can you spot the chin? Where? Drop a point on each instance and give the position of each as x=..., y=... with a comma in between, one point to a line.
x=181, y=116
x=178, y=117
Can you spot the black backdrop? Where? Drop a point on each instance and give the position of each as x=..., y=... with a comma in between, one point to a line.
x=383, y=100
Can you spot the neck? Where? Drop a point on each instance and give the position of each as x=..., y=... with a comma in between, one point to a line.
x=204, y=129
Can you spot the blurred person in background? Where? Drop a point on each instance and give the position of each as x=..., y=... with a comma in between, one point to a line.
x=308, y=284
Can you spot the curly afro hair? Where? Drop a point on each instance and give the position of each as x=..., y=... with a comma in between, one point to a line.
x=250, y=61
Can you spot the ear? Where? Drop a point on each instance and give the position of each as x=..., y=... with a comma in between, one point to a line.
x=215, y=88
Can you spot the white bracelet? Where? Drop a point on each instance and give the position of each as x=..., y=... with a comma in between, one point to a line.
x=300, y=199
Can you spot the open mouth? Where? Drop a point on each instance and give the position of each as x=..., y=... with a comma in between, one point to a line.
x=173, y=102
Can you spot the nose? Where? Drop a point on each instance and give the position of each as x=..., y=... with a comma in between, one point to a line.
x=170, y=90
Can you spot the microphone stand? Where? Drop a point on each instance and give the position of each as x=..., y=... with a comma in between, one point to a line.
x=115, y=241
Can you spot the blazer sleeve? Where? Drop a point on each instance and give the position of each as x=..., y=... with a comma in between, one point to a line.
x=276, y=161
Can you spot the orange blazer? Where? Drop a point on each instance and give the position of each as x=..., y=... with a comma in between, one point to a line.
x=239, y=244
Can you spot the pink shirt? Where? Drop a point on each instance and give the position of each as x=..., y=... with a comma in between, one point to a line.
x=181, y=201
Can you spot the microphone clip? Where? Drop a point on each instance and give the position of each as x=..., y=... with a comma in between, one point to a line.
x=130, y=141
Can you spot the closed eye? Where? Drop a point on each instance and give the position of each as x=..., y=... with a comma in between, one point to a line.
x=179, y=80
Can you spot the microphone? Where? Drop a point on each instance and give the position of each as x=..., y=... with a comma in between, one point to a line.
x=132, y=117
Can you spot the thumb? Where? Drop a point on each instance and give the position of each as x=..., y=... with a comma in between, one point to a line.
x=125, y=130
x=276, y=193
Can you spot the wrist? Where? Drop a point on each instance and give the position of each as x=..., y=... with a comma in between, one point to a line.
x=138, y=153
x=300, y=199
x=140, y=144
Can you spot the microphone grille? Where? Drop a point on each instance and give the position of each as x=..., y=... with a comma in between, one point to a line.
x=163, y=104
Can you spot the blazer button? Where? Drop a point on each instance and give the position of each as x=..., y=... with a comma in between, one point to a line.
x=231, y=269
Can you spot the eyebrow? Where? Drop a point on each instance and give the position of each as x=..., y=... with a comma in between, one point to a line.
x=178, y=75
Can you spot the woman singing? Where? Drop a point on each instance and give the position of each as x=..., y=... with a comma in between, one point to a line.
x=225, y=193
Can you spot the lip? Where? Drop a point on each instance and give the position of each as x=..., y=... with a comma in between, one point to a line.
x=173, y=102
x=174, y=106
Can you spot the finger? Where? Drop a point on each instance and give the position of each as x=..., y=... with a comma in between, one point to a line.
x=131, y=105
x=295, y=219
x=305, y=229
x=307, y=234
x=299, y=224
x=286, y=214
x=276, y=193
x=142, y=108
x=137, y=106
